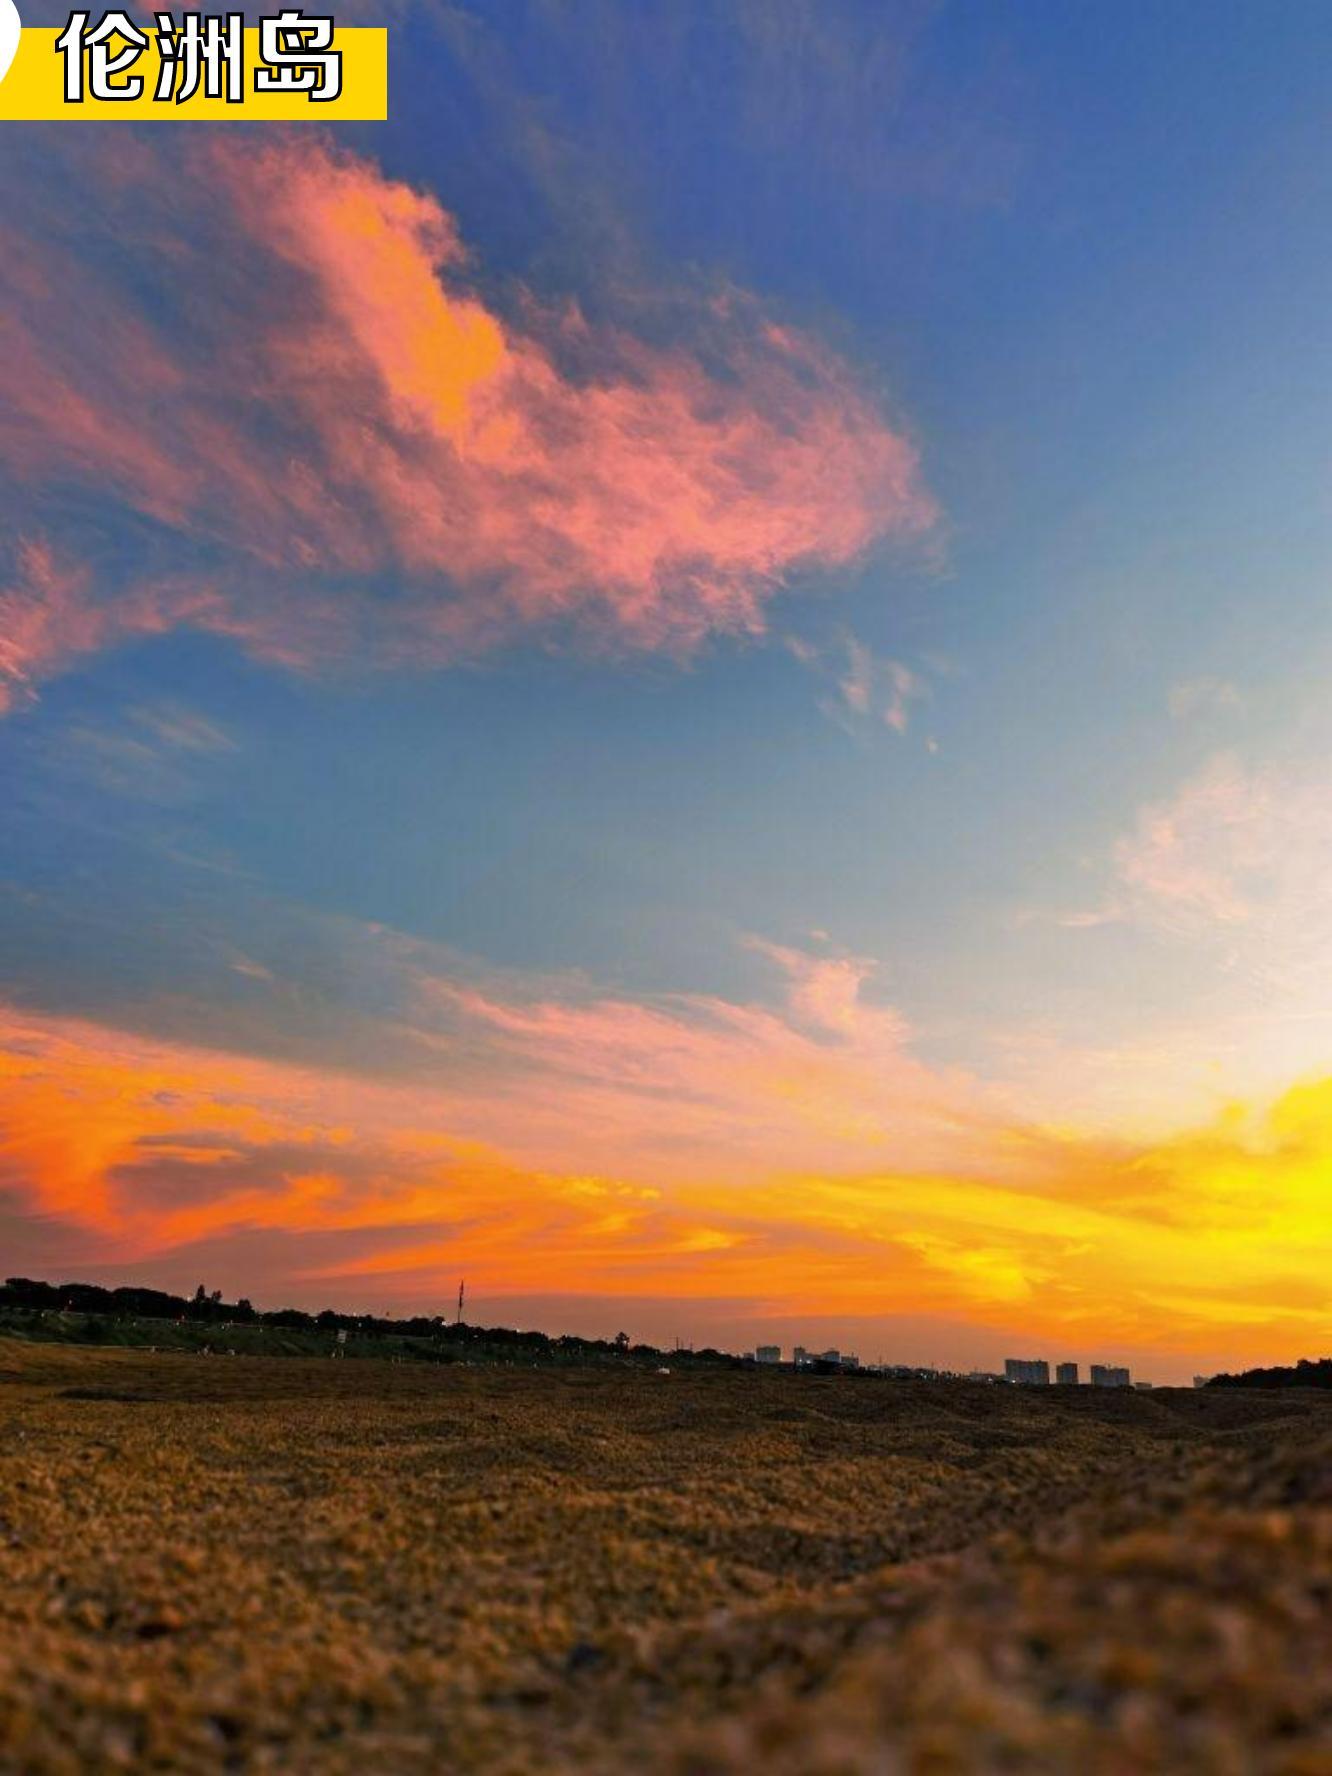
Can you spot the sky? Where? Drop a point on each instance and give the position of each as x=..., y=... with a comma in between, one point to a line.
x=688, y=681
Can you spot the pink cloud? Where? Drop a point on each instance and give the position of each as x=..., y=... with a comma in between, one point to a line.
x=664, y=1087
x=1204, y=853
x=347, y=411
x=45, y=619
x=52, y=612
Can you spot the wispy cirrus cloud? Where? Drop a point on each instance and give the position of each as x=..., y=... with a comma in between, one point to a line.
x=148, y=753
x=1233, y=845
x=54, y=611
x=867, y=687
x=1201, y=854
x=50, y=614
x=1206, y=696
x=1237, y=846
x=1217, y=899
x=672, y=1084
x=335, y=447
x=45, y=620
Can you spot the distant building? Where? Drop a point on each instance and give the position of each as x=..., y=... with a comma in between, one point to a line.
x=1201, y=1381
x=829, y=1362
x=983, y=1375
x=769, y=1353
x=1143, y=1387
x=1066, y=1374
x=1107, y=1375
x=822, y=1362
x=1030, y=1371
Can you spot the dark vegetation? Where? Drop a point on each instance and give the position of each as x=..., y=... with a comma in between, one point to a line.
x=1307, y=1373
x=85, y=1313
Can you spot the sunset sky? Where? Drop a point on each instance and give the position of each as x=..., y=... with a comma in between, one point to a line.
x=689, y=681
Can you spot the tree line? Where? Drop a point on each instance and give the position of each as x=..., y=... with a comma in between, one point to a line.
x=1307, y=1373
x=208, y=1308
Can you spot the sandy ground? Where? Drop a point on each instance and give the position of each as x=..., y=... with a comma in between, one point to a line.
x=250, y=1564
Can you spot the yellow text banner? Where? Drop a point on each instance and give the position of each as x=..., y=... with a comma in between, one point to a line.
x=34, y=89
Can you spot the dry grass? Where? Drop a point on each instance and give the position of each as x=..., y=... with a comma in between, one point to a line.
x=218, y=1564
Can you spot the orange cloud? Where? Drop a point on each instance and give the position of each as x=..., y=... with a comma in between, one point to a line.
x=153, y=1145
x=695, y=1149
x=376, y=463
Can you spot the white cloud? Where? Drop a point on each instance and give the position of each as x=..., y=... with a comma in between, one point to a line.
x=869, y=689
x=1193, y=697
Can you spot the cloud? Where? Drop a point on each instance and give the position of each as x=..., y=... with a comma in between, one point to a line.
x=1194, y=697
x=49, y=616
x=789, y=1156
x=869, y=688
x=1235, y=866
x=1200, y=854
x=618, y=1143
x=1236, y=846
x=879, y=688
x=1232, y=845
x=45, y=619
x=53, y=612
x=1218, y=910
x=152, y=752
x=174, y=726
x=136, y=1153
x=153, y=1146
x=825, y=991
x=327, y=444
x=673, y=1084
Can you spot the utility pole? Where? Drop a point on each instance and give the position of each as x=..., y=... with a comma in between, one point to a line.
x=461, y=1289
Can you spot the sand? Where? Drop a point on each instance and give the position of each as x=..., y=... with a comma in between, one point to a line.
x=288, y=1565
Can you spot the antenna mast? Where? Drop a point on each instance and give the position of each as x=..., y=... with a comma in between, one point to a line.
x=461, y=1290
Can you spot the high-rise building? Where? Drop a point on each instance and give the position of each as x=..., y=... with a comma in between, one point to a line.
x=1031, y=1371
x=1066, y=1374
x=769, y=1353
x=1108, y=1375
